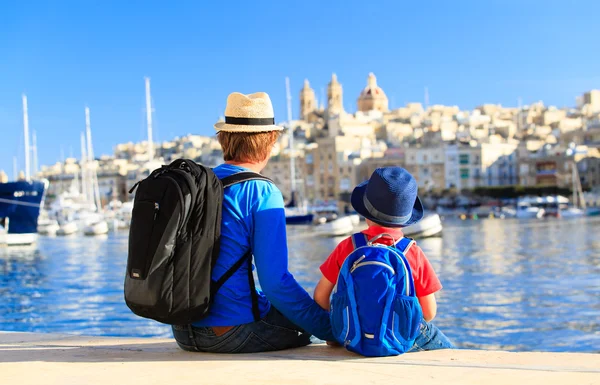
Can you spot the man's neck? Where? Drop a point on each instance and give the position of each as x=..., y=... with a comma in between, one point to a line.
x=256, y=167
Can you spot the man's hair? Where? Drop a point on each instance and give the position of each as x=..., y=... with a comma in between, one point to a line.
x=251, y=147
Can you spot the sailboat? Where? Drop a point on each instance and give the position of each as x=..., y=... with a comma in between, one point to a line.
x=96, y=224
x=578, y=208
x=21, y=200
x=295, y=212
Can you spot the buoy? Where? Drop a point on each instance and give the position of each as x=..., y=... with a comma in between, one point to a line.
x=463, y=217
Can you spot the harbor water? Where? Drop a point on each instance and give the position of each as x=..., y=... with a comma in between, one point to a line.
x=508, y=284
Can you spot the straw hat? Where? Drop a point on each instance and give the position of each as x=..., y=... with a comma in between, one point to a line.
x=248, y=113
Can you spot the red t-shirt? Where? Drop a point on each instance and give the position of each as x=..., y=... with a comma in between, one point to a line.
x=426, y=281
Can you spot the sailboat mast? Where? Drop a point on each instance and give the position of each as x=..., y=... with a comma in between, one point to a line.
x=26, y=135
x=291, y=134
x=149, y=120
x=93, y=178
x=83, y=165
x=35, y=153
x=574, y=184
x=15, y=169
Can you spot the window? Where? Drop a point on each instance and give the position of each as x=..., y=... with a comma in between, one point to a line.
x=464, y=173
x=345, y=184
x=463, y=159
x=330, y=167
x=308, y=159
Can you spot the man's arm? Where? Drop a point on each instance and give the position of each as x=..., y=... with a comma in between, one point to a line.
x=271, y=258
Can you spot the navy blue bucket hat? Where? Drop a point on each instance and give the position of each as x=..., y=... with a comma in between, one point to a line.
x=389, y=198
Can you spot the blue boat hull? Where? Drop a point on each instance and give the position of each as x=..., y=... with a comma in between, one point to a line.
x=299, y=219
x=20, y=204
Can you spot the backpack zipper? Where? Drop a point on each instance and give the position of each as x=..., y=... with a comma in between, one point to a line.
x=357, y=262
x=357, y=265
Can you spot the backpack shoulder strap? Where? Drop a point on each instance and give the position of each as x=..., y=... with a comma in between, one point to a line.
x=359, y=240
x=243, y=177
x=405, y=244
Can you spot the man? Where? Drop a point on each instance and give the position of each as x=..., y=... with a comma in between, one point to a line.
x=242, y=319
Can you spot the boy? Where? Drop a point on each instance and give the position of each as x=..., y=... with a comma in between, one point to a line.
x=389, y=202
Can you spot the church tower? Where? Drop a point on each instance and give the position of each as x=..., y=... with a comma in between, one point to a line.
x=334, y=96
x=308, y=102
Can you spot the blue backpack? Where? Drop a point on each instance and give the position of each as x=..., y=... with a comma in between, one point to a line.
x=374, y=309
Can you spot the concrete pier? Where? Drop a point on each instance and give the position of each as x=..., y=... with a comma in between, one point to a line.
x=27, y=358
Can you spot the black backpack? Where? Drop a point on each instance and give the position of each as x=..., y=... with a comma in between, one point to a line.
x=174, y=242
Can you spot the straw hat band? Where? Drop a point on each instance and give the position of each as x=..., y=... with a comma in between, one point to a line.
x=249, y=121
x=385, y=217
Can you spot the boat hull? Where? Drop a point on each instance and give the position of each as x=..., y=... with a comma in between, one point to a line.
x=20, y=204
x=337, y=227
x=299, y=219
x=429, y=226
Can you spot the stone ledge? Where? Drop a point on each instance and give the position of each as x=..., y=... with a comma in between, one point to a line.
x=30, y=358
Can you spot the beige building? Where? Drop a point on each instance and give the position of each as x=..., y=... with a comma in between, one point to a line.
x=552, y=116
x=332, y=168
x=427, y=166
x=279, y=170
x=372, y=97
x=392, y=158
x=589, y=172
x=592, y=100
x=553, y=165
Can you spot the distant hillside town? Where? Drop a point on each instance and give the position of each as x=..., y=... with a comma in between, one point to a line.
x=444, y=147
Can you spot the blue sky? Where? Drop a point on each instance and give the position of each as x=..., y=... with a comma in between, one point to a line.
x=70, y=53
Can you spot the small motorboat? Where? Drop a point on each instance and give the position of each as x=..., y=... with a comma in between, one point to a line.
x=68, y=228
x=429, y=226
x=48, y=227
x=338, y=227
x=527, y=211
x=98, y=228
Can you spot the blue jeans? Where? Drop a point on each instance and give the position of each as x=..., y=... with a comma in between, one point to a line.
x=274, y=332
x=431, y=338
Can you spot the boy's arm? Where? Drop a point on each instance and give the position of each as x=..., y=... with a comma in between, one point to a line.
x=323, y=293
x=428, y=305
x=426, y=284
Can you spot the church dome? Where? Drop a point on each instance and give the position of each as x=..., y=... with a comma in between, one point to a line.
x=372, y=90
x=372, y=96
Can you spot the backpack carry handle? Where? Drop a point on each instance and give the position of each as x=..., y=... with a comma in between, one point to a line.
x=382, y=235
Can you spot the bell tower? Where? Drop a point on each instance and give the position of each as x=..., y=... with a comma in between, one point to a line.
x=334, y=96
x=308, y=103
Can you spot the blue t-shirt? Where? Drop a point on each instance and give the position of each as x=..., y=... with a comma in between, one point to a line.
x=254, y=219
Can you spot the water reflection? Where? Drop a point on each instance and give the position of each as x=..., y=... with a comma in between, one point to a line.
x=516, y=285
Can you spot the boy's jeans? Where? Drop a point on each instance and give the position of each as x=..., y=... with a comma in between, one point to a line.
x=431, y=338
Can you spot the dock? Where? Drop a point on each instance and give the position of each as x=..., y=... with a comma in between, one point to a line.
x=30, y=358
